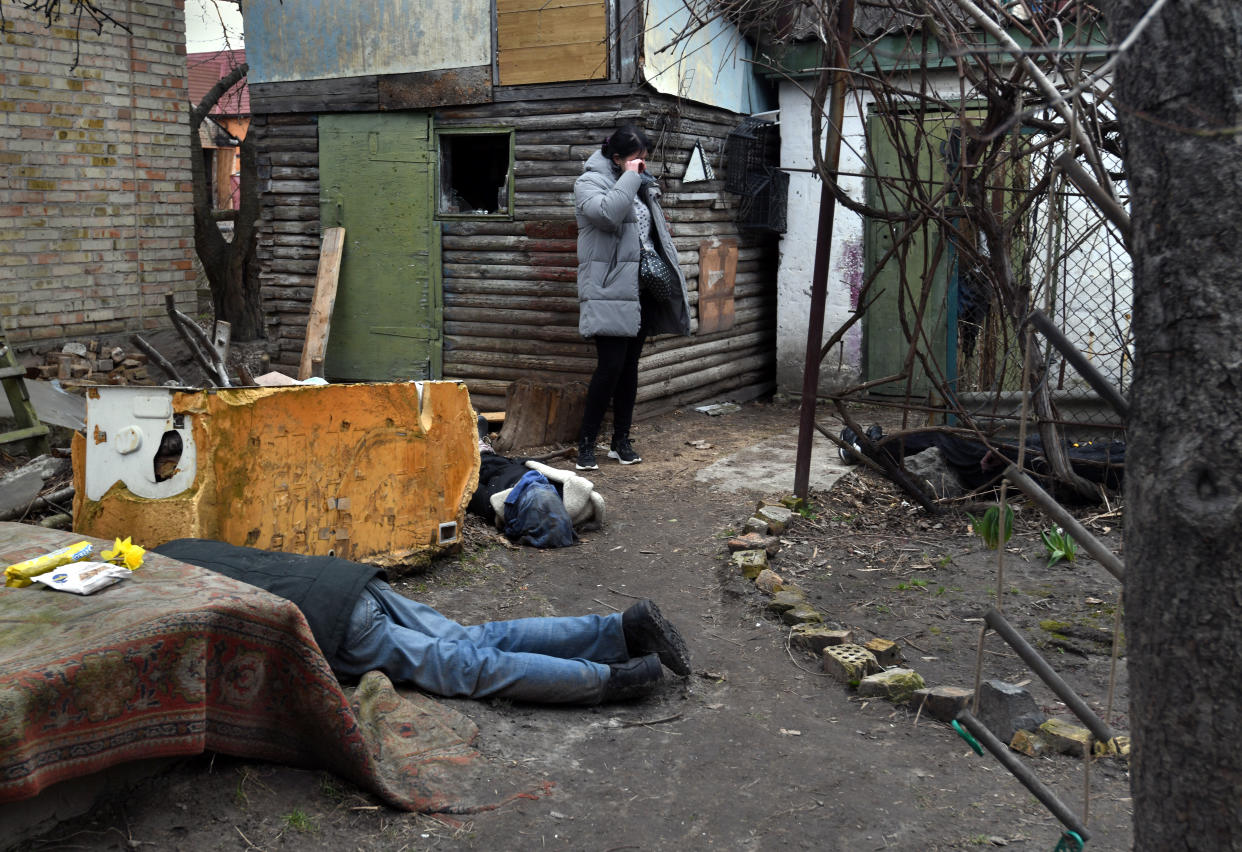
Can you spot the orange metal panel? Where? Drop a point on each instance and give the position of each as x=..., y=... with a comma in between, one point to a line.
x=376, y=473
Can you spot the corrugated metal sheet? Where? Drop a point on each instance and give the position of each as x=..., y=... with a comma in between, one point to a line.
x=323, y=39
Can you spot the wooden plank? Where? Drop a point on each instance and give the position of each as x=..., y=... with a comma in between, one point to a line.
x=320, y=321
x=504, y=7
x=552, y=27
x=552, y=63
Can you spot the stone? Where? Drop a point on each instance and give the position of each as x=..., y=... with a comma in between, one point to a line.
x=816, y=637
x=1065, y=737
x=944, y=702
x=930, y=467
x=72, y=348
x=896, y=685
x=755, y=525
x=777, y=518
x=751, y=562
x=802, y=614
x=768, y=581
x=887, y=652
x=1006, y=709
x=849, y=663
x=755, y=541
x=786, y=599
x=1029, y=743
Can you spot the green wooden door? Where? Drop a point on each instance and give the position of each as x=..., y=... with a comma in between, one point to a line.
x=376, y=181
x=925, y=261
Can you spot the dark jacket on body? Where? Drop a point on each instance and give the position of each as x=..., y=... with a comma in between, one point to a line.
x=323, y=587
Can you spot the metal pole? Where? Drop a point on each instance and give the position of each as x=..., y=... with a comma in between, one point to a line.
x=823, y=253
x=1067, y=522
x=1099, y=728
x=1085, y=368
x=1002, y=753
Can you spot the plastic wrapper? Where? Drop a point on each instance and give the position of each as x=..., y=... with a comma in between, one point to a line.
x=21, y=574
x=83, y=578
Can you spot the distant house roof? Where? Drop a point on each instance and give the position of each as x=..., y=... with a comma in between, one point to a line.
x=207, y=69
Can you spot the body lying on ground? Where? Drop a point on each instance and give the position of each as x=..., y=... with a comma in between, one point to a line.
x=361, y=624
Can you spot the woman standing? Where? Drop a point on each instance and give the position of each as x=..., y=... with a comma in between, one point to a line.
x=617, y=207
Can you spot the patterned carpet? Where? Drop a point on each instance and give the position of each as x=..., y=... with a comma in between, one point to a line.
x=175, y=660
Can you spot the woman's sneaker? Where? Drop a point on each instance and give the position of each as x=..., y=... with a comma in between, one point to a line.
x=586, y=454
x=623, y=451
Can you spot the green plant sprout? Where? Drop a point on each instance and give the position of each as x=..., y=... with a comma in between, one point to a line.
x=1060, y=545
x=988, y=527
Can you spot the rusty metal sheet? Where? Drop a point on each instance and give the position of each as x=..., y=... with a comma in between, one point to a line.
x=436, y=88
x=376, y=473
x=717, y=274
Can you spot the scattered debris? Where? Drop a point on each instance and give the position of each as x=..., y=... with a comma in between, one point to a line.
x=718, y=408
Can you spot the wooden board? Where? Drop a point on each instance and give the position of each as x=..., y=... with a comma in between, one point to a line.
x=321, y=305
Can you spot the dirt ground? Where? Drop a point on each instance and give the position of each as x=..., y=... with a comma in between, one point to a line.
x=757, y=749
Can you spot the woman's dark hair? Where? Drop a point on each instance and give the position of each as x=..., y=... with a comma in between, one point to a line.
x=624, y=141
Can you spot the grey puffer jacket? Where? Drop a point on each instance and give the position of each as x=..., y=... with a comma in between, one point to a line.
x=608, y=248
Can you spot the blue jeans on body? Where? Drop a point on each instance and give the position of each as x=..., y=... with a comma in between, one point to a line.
x=552, y=660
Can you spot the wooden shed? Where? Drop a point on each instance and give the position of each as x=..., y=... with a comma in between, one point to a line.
x=445, y=137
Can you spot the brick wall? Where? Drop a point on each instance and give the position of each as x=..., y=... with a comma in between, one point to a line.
x=96, y=222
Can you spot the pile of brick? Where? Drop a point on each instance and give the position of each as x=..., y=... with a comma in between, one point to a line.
x=876, y=667
x=91, y=364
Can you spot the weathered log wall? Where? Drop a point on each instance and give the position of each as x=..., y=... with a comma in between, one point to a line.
x=510, y=297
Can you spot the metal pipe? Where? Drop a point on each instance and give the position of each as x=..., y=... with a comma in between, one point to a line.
x=1016, y=768
x=1099, y=383
x=823, y=253
x=1067, y=522
x=1107, y=205
x=1098, y=727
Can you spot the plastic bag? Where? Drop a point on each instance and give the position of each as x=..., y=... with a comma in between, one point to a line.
x=20, y=574
x=83, y=578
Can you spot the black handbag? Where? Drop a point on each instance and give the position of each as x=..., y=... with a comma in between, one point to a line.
x=656, y=278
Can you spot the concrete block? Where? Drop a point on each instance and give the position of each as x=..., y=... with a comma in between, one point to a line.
x=896, y=685
x=777, y=518
x=750, y=562
x=1006, y=708
x=756, y=541
x=755, y=525
x=768, y=581
x=802, y=614
x=817, y=637
x=786, y=599
x=887, y=652
x=849, y=663
x=944, y=702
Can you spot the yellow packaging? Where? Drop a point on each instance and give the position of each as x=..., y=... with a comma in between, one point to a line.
x=19, y=574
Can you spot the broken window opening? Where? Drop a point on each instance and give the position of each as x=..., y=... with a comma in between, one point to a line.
x=476, y=173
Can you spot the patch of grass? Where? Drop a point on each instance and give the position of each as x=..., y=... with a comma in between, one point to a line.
x=330, y=788
x=939, y=591
x=944, y=561
x=298, y=820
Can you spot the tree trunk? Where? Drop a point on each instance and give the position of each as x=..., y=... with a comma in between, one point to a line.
x=1181, y=113
x=230, y=266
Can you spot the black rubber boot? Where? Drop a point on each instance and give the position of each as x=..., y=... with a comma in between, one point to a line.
x=586, y=454
x=632, y=679
x=647, y=632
